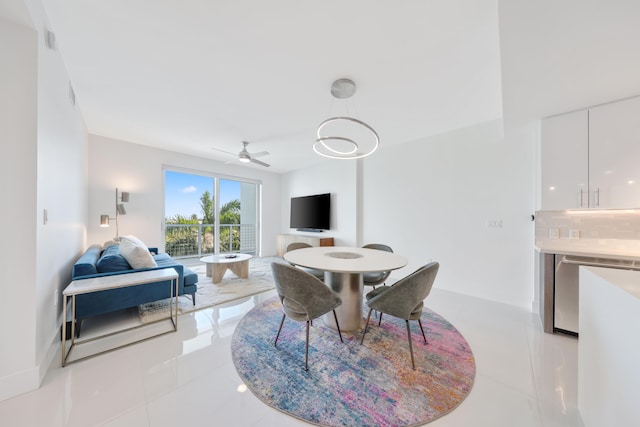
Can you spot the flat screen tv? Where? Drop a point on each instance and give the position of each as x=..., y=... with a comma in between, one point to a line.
x=311, y=213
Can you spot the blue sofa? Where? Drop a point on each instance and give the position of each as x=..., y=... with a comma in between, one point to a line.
x=96, y=262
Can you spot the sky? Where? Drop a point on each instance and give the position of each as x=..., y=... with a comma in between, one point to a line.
x=183, y=191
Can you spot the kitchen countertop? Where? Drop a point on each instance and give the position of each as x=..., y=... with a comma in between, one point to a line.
x=597, y=248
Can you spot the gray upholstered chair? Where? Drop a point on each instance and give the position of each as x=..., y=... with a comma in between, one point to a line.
x=301, y=245
x=303, y=298
x=379, y=277
x=297, y=245
x=404, y=300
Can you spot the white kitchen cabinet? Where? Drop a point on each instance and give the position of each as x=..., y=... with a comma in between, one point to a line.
x=565, y=161
x=591, y=158
x=614, y=154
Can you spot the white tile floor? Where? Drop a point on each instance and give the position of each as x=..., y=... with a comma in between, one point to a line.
x=524, y=377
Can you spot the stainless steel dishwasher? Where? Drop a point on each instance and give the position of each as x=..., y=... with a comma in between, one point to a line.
x=566, y=288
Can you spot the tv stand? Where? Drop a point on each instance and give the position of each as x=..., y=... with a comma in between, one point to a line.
x=285, y=239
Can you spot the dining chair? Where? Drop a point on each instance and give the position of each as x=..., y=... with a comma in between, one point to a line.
x=301, y=245
x=297, y=245
x=379, y=277
x=303, y=299
x=404, y=300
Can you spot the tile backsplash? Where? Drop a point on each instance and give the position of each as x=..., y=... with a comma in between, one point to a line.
x=623, y=224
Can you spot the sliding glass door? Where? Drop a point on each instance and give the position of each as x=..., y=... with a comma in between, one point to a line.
x=238, y=216
x=210, y=215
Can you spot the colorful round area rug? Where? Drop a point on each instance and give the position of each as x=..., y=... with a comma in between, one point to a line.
x=351, y=384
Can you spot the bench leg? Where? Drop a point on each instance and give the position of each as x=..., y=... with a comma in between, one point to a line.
x=68, y=326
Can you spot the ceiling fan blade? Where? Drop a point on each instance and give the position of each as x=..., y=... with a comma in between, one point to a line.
x=258, y=162
x=260, y=154
x=225, y=152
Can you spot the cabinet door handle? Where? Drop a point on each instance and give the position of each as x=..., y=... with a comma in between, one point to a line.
x=581, y=197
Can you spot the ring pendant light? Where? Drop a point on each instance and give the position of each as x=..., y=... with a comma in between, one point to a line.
x=334, y=145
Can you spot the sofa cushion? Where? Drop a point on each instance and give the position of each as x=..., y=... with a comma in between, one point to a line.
x=189, y=277
x=163, y=259
x=111, y=261
x=136, y=252
x=86, y=264
x=108, y=243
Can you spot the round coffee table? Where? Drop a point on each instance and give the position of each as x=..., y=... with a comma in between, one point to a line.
x=218, y=264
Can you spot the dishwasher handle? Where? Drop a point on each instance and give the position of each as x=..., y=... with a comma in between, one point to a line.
x=623, y=265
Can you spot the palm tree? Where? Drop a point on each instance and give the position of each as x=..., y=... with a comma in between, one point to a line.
x=230, y=214
x=206, y=205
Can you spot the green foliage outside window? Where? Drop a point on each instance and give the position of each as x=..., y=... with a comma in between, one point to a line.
x=182, y=232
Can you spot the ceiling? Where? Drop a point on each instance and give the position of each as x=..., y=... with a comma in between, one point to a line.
x=193, y=75
x=559, y=56
x=198, y=75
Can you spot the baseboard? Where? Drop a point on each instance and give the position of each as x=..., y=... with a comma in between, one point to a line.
x=534, y=308
x=51, y=358
x=19, y=383
x=30, y=379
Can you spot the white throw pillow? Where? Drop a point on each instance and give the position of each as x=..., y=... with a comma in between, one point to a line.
x=136, y=253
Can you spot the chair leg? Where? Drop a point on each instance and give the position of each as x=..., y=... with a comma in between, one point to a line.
x=413, y=364
x=193, y=297
x=364, y=331
x=306, y=350
x=422, y=330
x=335, y=316
x=380, y=320
x=275, y=343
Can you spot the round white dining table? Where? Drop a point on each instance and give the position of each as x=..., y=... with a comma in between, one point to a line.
x=343, y=269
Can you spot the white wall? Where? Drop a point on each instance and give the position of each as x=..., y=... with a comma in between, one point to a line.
x=61, y=190
x=431, y=200
x=339, y=179
x=138, y=169
x=43, y=166
x=18, y=107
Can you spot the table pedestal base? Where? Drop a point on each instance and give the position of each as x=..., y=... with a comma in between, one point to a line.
x=348, y=286
x=216, y=270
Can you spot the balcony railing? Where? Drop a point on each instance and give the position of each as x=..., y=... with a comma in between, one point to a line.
x=195, y=240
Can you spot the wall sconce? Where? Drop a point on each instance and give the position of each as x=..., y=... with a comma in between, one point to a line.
x=120, y=210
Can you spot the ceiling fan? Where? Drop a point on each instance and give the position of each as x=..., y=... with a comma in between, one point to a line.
x=245, y=157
